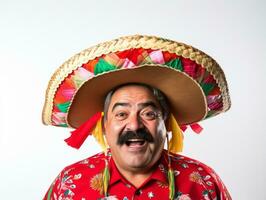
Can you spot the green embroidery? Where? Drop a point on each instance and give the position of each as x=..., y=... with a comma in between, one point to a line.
x=103, y=66
x=63, y=125
x=176, y=64
x=207, y=87
x=63, y=106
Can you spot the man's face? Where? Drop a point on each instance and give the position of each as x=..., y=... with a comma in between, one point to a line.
x=134, y=128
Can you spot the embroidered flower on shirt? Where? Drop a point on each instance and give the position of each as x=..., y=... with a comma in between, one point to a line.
x=66, y=185
x=96, y=183
x=195, y=177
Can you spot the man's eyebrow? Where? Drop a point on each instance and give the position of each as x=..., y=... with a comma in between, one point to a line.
x=149, y=103
x=141, y=105
x=120, y=104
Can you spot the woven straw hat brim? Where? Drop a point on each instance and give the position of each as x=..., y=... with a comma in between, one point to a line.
x=187, y=102
x=59, y=109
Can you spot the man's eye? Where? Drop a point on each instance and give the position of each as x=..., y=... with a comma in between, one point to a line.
x=121, y=115
x=149, y=115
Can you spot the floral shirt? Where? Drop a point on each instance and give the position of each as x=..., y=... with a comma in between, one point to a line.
x=83, y=181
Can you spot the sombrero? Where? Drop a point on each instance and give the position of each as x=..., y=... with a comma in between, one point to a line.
x=192, y=81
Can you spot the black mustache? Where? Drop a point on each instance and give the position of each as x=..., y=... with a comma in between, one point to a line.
x=139, y=134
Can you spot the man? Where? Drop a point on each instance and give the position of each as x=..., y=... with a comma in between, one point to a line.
x=132, y=94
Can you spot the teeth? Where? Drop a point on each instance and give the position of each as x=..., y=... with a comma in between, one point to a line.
x=135, y=140
x=140, y=141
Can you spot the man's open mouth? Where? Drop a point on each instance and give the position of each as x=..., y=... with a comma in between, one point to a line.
x=135, y=142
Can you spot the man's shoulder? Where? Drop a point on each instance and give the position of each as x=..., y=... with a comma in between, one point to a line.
x=193, y=169
x=78, y=178
x=88, y=166
x=183, y=161
x=194, y=175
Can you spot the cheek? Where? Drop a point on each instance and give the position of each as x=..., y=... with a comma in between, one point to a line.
x=161, y=126
x=112, y=131
x=158, y=129
x=160, y=132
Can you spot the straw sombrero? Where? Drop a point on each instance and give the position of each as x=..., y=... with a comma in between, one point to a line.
x=192, y=81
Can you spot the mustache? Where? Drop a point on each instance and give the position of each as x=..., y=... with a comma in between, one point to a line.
x=142, y=133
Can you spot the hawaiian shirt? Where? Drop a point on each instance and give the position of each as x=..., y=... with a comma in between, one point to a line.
x=83, y=181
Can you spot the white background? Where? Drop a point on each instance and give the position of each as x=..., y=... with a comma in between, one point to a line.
x=38, y=36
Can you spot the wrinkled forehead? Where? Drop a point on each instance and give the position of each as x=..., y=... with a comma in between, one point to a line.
x=126, y=89
x=133, y=92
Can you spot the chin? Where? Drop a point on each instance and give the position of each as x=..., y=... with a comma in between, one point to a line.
x=139, y=161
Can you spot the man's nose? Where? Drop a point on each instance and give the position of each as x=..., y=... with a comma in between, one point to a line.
x=134, y=123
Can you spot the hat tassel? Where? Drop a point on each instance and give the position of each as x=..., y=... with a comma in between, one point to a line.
x=79, y=135
x=196, y=128
x=176, y=142
x=98, y=134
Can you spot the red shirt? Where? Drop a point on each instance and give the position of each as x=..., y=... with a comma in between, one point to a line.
x=83, y=181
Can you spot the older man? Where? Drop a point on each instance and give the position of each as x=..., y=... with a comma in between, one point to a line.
x=143, y=89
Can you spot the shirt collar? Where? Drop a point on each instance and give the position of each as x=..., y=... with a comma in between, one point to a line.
x=160, y=173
